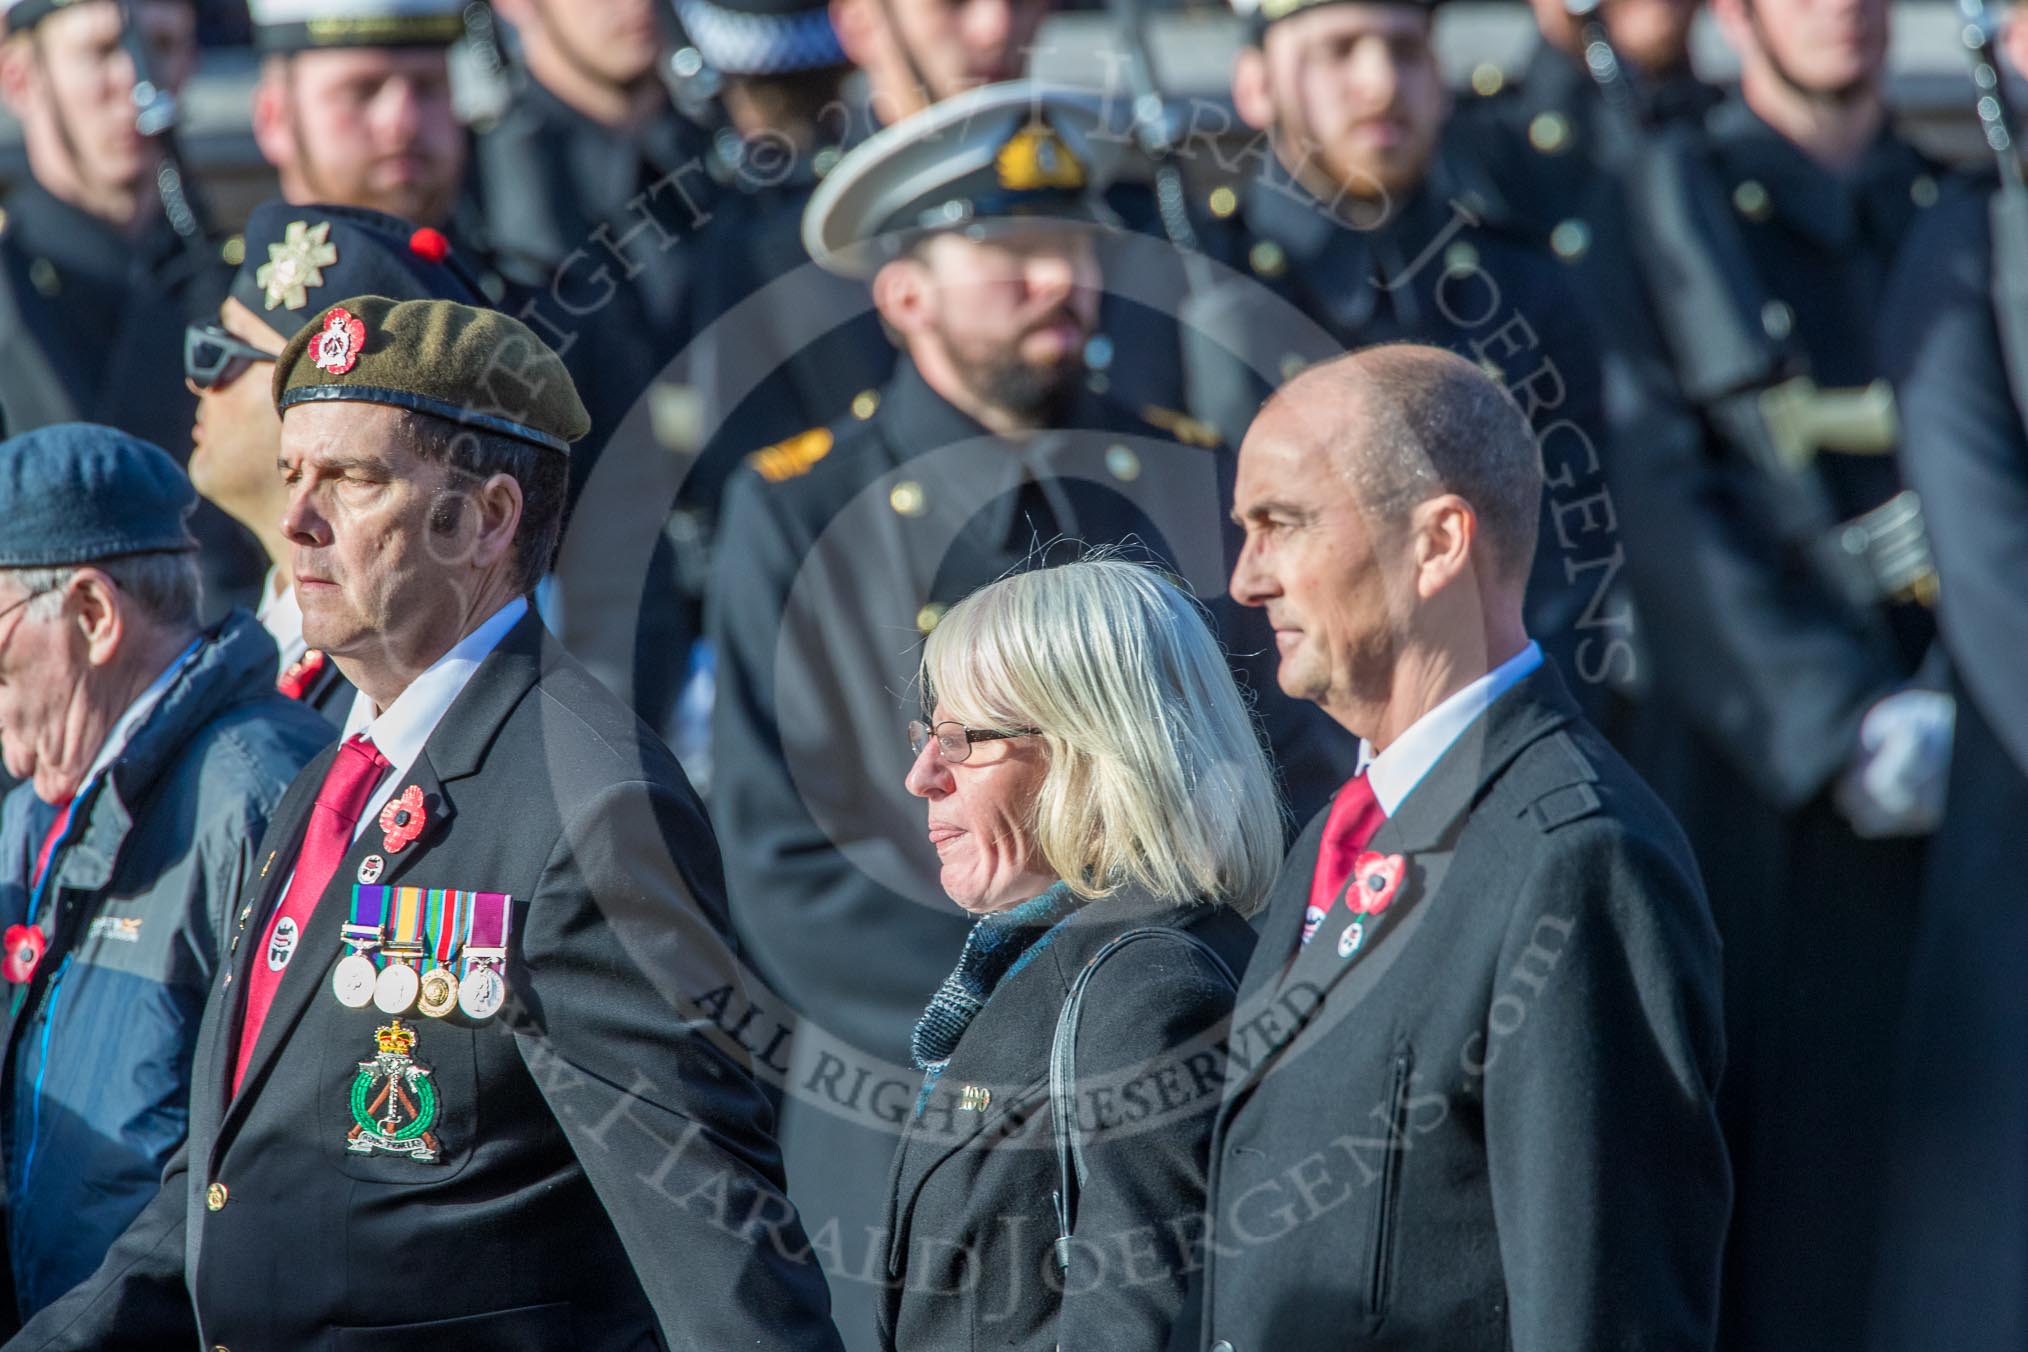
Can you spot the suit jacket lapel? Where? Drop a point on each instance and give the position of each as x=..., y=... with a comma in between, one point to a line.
x=1422, y=829
x=454, y=750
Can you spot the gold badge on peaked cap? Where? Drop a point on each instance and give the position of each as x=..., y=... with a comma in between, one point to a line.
x=296, y=264
x=1035, y=158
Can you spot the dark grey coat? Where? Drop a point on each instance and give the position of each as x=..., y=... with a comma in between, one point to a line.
x=1492, y=1127
x=970, y=1259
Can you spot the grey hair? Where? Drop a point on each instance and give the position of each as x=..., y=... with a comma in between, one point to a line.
x=165, y=588
x=1157, y=777
x=1431, y=422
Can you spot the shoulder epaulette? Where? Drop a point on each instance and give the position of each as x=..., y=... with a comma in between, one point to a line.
x=788, y=459
x=1571, y=796
x=1186, y=429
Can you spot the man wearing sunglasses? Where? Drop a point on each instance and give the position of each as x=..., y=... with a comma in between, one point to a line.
x=94, y=283
x=152, y=753
x=297, y=258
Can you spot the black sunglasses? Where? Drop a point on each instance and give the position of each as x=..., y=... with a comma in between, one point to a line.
x=213, y=358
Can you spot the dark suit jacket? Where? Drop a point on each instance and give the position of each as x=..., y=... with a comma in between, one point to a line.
x=1958, y=1192
x=970, y=1259
x=606, y=1165
x=1493, y=1126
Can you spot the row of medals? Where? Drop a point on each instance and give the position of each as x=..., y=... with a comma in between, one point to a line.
x=398, y=989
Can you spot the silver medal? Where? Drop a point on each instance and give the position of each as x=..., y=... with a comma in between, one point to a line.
x=353, y=982
x=482, y=992
x=395, y=990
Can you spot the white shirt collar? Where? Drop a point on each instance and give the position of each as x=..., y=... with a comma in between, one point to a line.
x=137, y=713
x=282, y=617
x=400, y=729
x=1395, y=772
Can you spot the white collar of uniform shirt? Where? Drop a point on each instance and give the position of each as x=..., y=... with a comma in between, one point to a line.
x=1395, y=772
x=279, y=614
x=400, y=730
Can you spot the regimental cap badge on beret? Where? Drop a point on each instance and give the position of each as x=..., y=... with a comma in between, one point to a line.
x=1036, y=158
x=468, y=365
x=1006, y=152
x=299, y=255
x=296, y=264
x=336, y=346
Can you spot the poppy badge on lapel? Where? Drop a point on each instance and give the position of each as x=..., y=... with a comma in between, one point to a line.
x=402, y=820
x=1375, y=880
x=25, y=945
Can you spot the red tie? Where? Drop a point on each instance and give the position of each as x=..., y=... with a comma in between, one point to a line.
x=1355, y=815
x=349, y=782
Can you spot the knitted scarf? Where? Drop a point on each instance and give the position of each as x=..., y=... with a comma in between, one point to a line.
x=999, y=945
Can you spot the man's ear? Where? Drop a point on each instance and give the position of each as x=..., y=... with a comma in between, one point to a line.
x=497, y=504
x=1735, y=21
x=1446, y=531
x=271, y=113
x=903, y=292
x=1251, y=97
x=18, y=75
x=857, y=27
x=91, y=602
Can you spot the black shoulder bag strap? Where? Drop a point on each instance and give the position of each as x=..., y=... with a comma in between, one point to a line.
x=1070, y=1167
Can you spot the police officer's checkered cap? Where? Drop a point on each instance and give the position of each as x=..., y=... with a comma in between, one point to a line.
x=745, y=42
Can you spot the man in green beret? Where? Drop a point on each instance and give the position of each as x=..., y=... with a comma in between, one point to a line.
x=455, y=1042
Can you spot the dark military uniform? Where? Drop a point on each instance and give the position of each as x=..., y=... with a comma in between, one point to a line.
x=1442, y=270
x=1766, y=660
x=90, y=329
x=1542, y=139
x=1958, y=1197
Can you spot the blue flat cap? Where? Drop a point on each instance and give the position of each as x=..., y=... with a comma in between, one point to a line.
x=78, y=492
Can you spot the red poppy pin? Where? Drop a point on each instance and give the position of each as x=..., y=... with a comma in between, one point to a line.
x=402, y=820
x=302, y=673
x=25, y=945
x=337, y=346
x=429, y=245
x=1375, y=880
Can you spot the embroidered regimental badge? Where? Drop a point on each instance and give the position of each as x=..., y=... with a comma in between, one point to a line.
x=296, y=264
x=394, y=1100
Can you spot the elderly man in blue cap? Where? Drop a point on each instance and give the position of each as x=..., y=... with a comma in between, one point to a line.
x=152, y=753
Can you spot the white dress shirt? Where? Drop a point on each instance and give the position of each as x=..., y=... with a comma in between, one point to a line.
x=400, y=730
x=1394, y=773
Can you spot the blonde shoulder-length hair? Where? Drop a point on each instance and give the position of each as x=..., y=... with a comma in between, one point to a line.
x=1157, y=777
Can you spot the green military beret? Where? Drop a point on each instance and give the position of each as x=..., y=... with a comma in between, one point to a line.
x=478, y=368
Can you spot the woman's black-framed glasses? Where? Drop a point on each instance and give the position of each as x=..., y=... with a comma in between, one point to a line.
x=954, y=740
x=214, y=358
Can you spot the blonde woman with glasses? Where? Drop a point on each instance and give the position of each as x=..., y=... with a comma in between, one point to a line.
x=1098, y=797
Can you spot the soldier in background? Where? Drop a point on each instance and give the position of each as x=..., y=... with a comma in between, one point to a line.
x=1782, y=572
x=353, y=106
x=1353, y=220
x=591, y=185
x=1956, y=1233
x=1537, y=135
x=295, y=258
x=94, y=283
x=918, y=52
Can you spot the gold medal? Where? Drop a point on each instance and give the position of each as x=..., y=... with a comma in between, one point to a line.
x=439, y=992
